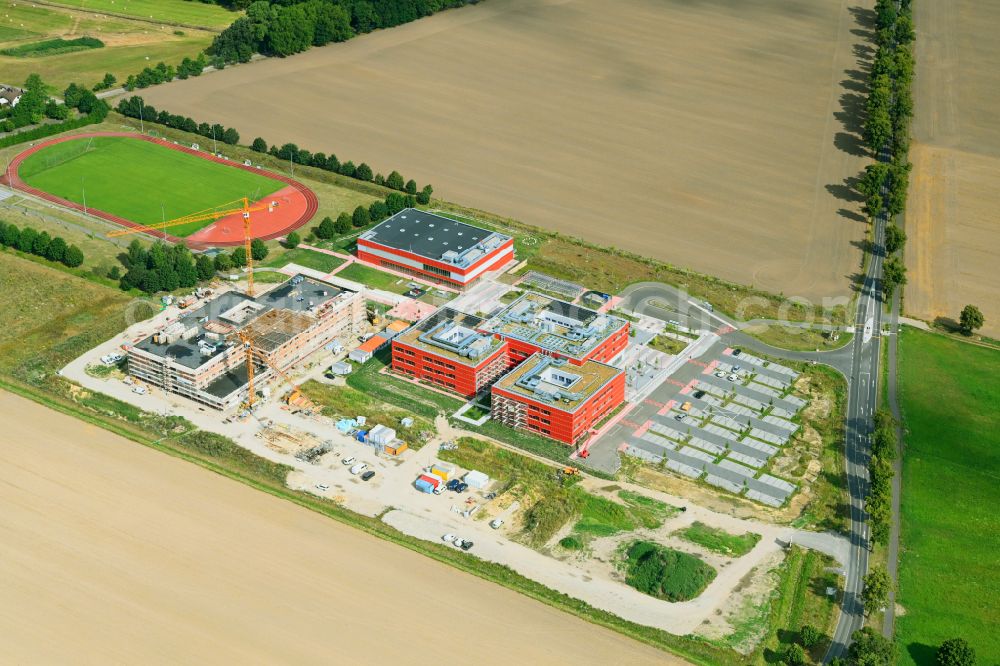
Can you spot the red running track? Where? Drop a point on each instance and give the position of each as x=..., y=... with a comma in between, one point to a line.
x=297, y=204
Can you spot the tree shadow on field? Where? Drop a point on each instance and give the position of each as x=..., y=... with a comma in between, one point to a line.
x=866, y=35
x=859, y=75
x=851, y=215
x=864, y=53
x=850, y=144
x=854, y=86
x=864, y=245
x=947, y=324
x=863, y=17
x=851, y=114
x=922, y=654
x=857, y=281
x=846, y=191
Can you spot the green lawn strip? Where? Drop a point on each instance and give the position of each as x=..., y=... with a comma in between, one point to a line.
x=407, y=395
x=798, y=339
x=345, y=402
x=141, y=181
x=718, y=540
x=801, y=599
x=169, y=12
x=667, y=345
x=375, y=278
x=665, y=573
x=950, y=531
x=319, y=261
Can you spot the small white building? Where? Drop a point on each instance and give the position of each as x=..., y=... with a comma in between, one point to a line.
x=477, y=479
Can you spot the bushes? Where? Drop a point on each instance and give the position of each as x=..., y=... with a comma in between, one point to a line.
x=665, y=573
x=40, y=244
x=160, y=268
x=880, y=470
x=53, y=47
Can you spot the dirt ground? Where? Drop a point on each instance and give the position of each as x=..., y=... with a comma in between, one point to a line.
x=951, y=220
x=131, y=556
x=714, y=135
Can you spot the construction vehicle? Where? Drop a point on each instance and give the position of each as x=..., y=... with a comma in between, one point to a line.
x=374, y=318
x=566, y=473
x=245, y=210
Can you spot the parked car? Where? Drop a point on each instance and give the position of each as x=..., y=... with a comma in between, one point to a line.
x=461, y=487
x=367, y=475
x=496, y=523
x=322, y=486
x=679, y=417
x=720, y=373
x=732, y=378
x=465, y=545
x=737, y=352
x=699, y=394
x=349, y=461
x=452, y=485
x=448, y=538
x=141, y=390
x=357, y=469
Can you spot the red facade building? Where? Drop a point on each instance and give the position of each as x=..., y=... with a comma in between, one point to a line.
x=537, y=323
x=447, y=350
x=435, y=247
x=557, y=399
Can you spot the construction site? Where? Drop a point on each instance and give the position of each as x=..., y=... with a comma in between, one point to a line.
x=222, y=353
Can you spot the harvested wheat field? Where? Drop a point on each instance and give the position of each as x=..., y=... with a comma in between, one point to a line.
x=115, y=553
x=951, y=219
x=715, y=135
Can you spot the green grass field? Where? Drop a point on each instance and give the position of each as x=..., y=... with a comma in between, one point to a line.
x=140, y=181
x=949, y=581
x=170, y=12
x=666, y=573
x=130, y=44
x=719, y=541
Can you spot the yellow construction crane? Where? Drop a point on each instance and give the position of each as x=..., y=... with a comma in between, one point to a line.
x=245, y=209
x=251, y=349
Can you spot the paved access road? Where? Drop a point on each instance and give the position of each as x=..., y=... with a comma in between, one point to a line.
x=858, y=361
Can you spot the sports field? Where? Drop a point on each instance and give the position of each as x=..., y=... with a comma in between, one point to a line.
x=714, y=135
x=949, y=582
x=951, y=219
x=140, y=181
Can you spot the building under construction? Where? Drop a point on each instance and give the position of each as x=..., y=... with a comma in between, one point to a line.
x=201, y=355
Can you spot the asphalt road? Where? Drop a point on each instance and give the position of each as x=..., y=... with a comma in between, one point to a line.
x=858, y=361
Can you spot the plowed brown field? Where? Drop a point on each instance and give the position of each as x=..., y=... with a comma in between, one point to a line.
x=113, y=553
x=716, y=135
x=952, y=220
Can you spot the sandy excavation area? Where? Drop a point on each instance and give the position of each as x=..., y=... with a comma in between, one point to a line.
x=952, y=221
x=114, y=553
x=715, y=135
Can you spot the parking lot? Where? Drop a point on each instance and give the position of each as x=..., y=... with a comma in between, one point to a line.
x=719, y=418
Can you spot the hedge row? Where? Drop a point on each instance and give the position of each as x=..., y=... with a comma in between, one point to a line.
x=40, y=244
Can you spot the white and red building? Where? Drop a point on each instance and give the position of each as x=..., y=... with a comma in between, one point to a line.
x=435, y=247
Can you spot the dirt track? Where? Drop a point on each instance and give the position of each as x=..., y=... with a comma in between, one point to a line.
x=952, y=223
x=715, y=135
x=114, y=553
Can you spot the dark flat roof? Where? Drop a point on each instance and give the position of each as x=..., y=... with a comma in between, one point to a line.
x=429, y=235
x=298, y=294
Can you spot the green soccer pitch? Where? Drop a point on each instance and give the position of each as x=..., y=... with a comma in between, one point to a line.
x=140, y=181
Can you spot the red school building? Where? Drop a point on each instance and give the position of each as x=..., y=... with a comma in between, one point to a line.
x=447, y=350
x=435, y=247
x=557, y=399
